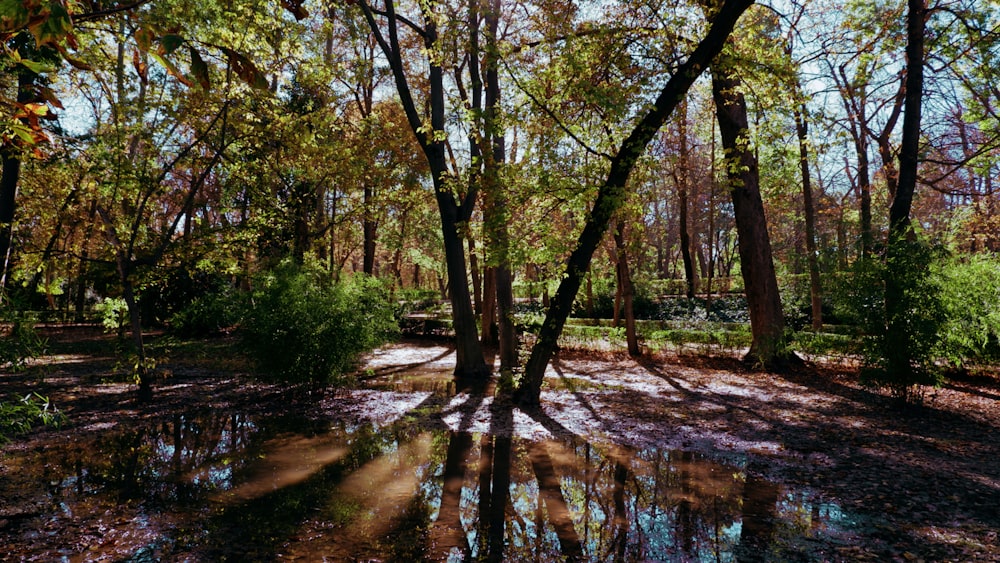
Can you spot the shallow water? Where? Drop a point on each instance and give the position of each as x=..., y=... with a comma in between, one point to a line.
x=216, y=486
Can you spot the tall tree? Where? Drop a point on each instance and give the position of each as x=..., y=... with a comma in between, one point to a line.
x=611, y=194
x=800, y=115
x=11, y=155
x=898, y=346
x=682, y=175
x=496, y=212
x=431, y=135
x=768, y=347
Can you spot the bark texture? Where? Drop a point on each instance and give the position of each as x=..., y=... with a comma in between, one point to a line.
x=768, y=347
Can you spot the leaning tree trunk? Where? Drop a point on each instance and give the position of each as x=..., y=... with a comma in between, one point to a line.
x=768, y=347
x=611, y=195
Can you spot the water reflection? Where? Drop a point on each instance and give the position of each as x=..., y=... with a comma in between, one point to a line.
x=214, y=486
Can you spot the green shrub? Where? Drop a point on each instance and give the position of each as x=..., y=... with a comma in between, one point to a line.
x=970, y=295
x=302, y=327
x=824, y=343
x=707, y=336
x=114, y=314
x=211, y=313
x=899, y=349
x=20, y=415
x=796, y=300
x=411, y=300
x=19, y=343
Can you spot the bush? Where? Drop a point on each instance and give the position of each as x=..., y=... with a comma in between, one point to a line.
x=301, y=327
x=412, y=300
x=796, y=300
x=20, y=343
x=114, y=314
x=19, y=416
x=209, y=314
x=903, y=357
x=647, y=305
x=970, y=294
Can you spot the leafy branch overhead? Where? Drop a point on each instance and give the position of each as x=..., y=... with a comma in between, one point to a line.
x=50, y=24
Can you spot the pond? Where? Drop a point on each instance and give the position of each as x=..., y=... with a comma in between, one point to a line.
x=226, y=485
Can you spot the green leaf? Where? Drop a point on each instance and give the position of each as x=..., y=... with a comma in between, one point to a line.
x=172, y=69
x=52, y=29
x=23, y=132
x=199, y=69
x=13, y=15
x=37, y=67
x=169, y=43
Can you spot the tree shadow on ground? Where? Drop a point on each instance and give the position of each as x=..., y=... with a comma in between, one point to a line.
x=910, y=472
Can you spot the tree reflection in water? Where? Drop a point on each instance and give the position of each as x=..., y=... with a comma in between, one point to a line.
x=228, y=486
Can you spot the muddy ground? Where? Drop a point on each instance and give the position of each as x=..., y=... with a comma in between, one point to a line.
x=921, y=484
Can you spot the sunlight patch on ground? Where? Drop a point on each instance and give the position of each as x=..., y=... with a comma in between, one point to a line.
x=114, y=388
x=745, y=391
x=378, y=407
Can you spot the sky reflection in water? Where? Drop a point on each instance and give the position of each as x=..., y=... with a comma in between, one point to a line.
x=213, y=486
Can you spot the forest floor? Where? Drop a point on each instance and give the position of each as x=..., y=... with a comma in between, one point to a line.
x=924, y=483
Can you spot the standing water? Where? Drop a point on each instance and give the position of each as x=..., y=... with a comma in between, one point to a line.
x=228, y=486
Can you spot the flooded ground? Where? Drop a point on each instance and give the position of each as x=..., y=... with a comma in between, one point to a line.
x=217, y=486
x=414, y=467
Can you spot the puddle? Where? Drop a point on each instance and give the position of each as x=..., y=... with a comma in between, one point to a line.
x=227, y=486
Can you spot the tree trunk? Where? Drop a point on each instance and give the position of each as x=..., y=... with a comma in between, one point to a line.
x=611, y=194
x=898, y=336
x=8, y=198
x=682, y=196
x=768, y=347
x=469, y=360
x=854, y=106
x=815, y=291
x=497, y=225
x=9, y=177
x=488, y=317
x=142, y=373
x=477, y=277
x=626, y=289
x=369, y=228
x=80, y=300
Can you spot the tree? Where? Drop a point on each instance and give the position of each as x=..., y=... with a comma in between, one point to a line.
x=612, y=192
x=800, y=116
x=871, y=94
x=898, y=347
x=431, y=135
x=768, y=347
x=681, y=178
